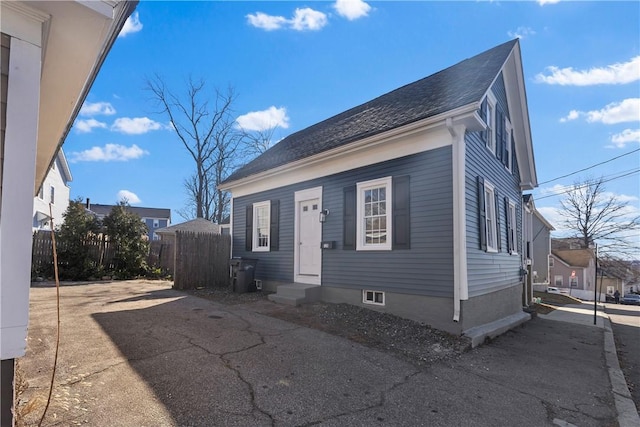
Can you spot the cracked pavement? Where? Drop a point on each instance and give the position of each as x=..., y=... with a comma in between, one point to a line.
x=137, y=353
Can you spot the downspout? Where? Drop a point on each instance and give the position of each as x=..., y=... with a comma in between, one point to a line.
x=460, y=289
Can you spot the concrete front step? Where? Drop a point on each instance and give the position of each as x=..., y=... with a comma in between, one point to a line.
x=296, y=294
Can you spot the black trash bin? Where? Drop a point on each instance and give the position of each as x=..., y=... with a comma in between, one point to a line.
x=243, y=274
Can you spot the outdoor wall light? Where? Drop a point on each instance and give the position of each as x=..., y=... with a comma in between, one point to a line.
x=324, y=213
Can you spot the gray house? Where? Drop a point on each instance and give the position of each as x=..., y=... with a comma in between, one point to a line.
x=410, y=203
x=539, y=249
x=154, y=218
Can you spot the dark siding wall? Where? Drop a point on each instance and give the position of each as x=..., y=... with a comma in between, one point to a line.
x=425, y=269
x=488, y=272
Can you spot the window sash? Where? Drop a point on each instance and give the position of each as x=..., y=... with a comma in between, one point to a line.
x=374, y=215
x=490, y=115
x=512, y=232
x=490, y=218
x=261, y=226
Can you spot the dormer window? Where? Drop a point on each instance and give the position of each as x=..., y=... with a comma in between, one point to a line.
x=488, y=112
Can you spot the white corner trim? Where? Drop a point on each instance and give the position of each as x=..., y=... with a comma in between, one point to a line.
x=23, y=22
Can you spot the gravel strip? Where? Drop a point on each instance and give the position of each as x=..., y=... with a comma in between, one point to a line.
x=414, y=342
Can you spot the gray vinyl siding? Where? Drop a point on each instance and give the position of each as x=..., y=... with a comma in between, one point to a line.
x=489, y=272
x=425, y=269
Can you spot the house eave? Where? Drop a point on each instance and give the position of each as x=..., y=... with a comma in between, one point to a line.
x=465, y=115
x=75, y=39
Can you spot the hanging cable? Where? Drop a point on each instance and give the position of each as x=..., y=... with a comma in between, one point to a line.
x=569, y=190
x=590, y=167
x=55, y=273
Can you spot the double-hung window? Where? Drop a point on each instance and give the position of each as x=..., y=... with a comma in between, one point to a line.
x=52, y=195
x=490, y=118
x=512, y=227
x=490, y=217
x=261, y=226
x=507, y=147
x=374, y=214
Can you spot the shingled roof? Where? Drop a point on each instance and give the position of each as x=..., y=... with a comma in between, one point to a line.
x=451, y=88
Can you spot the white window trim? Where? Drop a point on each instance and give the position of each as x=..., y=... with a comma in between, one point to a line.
x=513, y=242
x=254, y=246
x=491, y=122
x=508, y=129
x=555, y=280
x=360, y=232
x=551, y=261
x=365, y=300
x=490, y=206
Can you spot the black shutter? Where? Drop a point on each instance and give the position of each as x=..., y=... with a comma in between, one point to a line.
x=482, y=215
x=349, y=218
x=274, y=227
x=483, y=116
x=508, y=221
x=401, y=213
x=248, y=234
x=499, y=133
x=505, y=147
x=498, y=222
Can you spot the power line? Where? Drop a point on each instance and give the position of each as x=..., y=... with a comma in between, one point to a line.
x=588, y=184
x=590, y=167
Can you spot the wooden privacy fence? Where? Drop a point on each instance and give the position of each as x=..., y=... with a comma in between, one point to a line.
x=201, y=260
x=98, y=248
x=161, y=255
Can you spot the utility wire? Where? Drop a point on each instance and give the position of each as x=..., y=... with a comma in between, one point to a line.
x=588, y=184
x=590, y=167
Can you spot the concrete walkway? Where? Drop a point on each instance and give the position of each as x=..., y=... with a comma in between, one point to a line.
x=138, y=353
x=583, y=314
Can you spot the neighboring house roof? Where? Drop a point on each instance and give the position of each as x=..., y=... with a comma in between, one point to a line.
x=575, y=257
x=198, y=225
x=528, y=199
x=457, y=86
x=64, y=166
x=566, y=243
x=103, y=210
x=226, y=220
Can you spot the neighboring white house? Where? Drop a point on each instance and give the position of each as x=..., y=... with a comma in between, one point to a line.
x=51, y=52
x=53, y=196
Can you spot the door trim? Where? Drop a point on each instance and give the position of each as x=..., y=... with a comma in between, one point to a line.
x=300, y=196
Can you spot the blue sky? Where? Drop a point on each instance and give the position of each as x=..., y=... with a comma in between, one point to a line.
x=293, y=64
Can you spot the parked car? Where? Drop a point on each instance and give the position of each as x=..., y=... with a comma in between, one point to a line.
x=554, y=290
x=609, y=298
x=631, y=299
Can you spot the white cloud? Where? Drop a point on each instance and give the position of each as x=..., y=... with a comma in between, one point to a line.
x=86, y=126
x=131, y=197
x=302, y=20
x=267, y=22
x=308, y=19
x=557, y=189
x=617, y=112
x=136, y=125
x=265, y=119
x=97, y=108
x=131, y=25
x=108, y=153
x=352, y=9
x=543, y=2
x=627, y=136
x=573, y=114
x=521, y=32
x=619, y=73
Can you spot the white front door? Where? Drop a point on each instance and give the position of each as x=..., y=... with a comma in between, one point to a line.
x=308, y=257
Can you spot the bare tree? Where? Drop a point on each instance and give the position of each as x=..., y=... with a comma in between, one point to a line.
x=209, y=134
x=597, y=216
x=258, y=141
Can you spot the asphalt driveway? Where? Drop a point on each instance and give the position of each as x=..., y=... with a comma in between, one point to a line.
x=140, y=354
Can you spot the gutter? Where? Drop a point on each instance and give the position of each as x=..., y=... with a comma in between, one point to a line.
x=460, y=290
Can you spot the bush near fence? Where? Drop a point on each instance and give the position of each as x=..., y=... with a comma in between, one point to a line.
x=194, y=260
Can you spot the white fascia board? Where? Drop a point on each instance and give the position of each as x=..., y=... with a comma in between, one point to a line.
x=23, y=22
x=517, y=100
x=413, y=138
x=103, y=7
